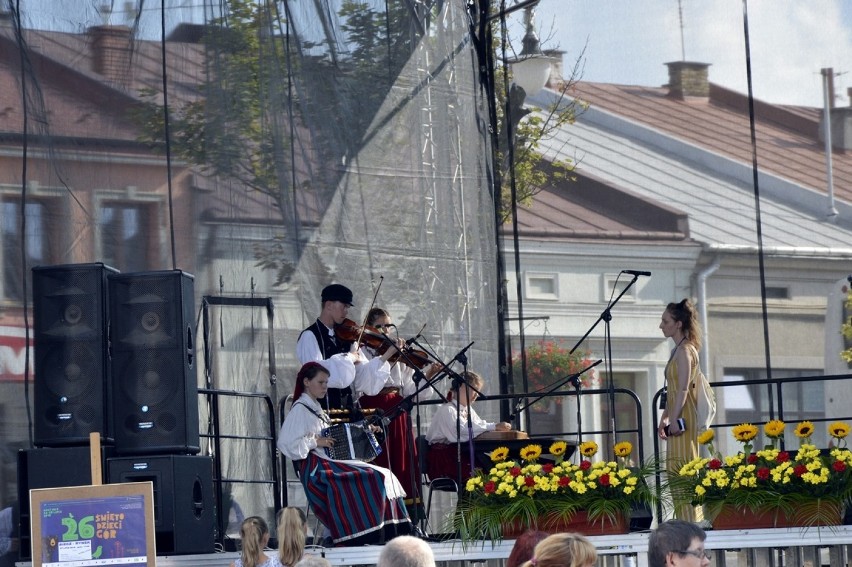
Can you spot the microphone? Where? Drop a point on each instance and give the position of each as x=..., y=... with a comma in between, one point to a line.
x=460, y=356
x=635, y=273
x=410, y=341
x=379, y=418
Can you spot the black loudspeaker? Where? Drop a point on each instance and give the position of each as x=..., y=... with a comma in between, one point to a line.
x=50, y=468
x=184, y=515
x=71, y=385
x=154, y=391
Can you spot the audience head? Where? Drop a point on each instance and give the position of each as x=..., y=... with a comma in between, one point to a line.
x=684, y=312
x=677, y=543
x=255, y=536
x=406, y=551
x=564, y=550
x=524, y=547
x=313, y=561
x=291, y=532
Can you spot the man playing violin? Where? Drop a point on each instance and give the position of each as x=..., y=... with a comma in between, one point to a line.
x=346, y=365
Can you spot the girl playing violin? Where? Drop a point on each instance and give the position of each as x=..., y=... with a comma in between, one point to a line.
x=397, y=379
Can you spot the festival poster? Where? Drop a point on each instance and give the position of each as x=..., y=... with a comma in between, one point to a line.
x=93, y=526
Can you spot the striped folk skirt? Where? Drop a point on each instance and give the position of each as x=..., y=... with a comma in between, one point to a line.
x=351, y=500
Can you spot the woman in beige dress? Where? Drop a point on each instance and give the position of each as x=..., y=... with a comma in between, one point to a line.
x=678, y=423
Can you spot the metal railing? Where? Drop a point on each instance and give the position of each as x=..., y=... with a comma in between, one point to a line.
x=215, y=435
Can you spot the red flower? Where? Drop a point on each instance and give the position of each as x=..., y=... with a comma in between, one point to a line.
x=529, y=481
x=799, y=470
x=547, y=468
x=752, y=458
x=489, y=487
x=782, y=457
x=604, y=480
x=714, y=464
x=515, y=471
x=839, y=466
x=585, y=465
x=763, y=473
x=564, y=480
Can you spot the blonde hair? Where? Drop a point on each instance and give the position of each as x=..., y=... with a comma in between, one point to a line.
x=252, y=531
x=291, y=535
x=563, y=550
x=471, y=378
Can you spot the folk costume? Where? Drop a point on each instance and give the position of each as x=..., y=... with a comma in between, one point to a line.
x=358, y=502
x=442, y=435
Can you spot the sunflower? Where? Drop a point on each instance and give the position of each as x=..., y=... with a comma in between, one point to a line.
x=838, y=430
x=531, y=452
x=588, y=448
x=623, y=449
x=744, y=432
x=774, y=429
x=499, y=454
x=706, y=436
x=804, y=430
x=558, y=448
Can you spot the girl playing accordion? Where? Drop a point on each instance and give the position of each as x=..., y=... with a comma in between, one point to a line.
x=359, y=503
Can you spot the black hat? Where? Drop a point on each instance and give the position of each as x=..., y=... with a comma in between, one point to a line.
x=337, y=292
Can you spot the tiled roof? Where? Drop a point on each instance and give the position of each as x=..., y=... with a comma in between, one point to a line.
x=694, y=156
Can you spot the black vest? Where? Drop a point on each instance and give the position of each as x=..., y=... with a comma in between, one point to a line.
x=337, y=398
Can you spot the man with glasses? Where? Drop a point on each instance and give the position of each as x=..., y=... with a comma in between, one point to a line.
x=677, y=543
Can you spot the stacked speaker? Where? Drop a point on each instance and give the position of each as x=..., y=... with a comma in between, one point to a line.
x=115, y=354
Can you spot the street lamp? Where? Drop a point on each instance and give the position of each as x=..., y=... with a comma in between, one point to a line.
x=531, y=69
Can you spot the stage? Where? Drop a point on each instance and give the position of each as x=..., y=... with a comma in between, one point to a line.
x=754, y=548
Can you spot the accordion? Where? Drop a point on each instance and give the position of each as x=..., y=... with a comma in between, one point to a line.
x=352, y=441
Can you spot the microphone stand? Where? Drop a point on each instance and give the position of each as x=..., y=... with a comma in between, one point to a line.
x=574, y=379
x=606, y=317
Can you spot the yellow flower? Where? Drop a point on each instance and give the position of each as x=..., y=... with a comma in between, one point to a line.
x=588, y=448
x=805, y=429
x=745, y=432
x=774, y=429
x=838, y=430
x=558, y=448
x=623, y=449
x=531, y=452
x=499, y=454
x=706, y=437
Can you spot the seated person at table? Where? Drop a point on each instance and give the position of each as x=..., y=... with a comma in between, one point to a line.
x=358, y=502
x=450, y=423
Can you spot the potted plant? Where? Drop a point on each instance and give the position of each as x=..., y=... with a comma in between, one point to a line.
x=770, y=487
x=521, y=492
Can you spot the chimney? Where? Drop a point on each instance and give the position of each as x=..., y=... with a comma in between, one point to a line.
x=556, y=80
x=841, y=127
x=111, y=52
x=688, y=80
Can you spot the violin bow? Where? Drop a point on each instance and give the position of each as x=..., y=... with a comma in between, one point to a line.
x=372, y=304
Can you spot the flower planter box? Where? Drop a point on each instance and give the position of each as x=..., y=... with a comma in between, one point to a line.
x=578, y=523
x=817, y=514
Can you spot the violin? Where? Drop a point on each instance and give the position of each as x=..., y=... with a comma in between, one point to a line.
x=370, y=336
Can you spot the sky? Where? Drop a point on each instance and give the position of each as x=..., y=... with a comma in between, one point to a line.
x=629, y=42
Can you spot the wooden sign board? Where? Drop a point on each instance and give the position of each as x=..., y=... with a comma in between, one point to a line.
x=110, y=524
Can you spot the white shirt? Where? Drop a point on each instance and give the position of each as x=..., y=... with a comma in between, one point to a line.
x=442, y=429
x=396, y=375
x=341, y=367
x=299, y=433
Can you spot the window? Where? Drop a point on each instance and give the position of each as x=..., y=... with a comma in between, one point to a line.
x=612, y=289
x=126, y=237
x=542, y=286
x=36, y=248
